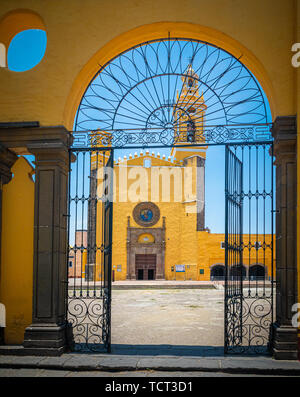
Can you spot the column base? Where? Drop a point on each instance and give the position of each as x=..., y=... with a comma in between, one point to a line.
x=285, y=342
x=45, y=340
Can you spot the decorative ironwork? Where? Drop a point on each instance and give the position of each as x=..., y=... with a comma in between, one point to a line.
x=89, y=259
x=165, y=137
x=151, y=93
x=248, y=238
x=162, y=93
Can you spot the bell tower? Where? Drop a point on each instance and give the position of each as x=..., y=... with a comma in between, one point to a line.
x=189, y=124
x=189, y=117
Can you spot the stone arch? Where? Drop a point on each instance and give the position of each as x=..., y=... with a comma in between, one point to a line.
x=156, y=31
x=234, y=272
x=146, y=238
x=258, y=271
x=217, y=271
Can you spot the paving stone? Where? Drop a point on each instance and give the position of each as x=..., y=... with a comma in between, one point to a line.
x=8, y=359
x=86, y=362
x=53, y=362
x=6, y=372
x=22, y=372
x=48, y=373
x=179, y=363
x=120, y=363
x=260, y=365
x=188, y=374
x=27, y=361
x=105, y=374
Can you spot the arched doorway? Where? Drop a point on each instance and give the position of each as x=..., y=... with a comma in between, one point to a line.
x=171, y=92
x=237, y=271
x=257, y=272
x=217, y=272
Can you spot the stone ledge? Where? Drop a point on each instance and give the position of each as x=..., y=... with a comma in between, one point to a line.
x=84, y=362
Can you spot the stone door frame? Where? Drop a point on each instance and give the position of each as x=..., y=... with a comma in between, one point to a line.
x=157, y=248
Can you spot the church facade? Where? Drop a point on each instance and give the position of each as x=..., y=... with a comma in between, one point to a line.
x=159, y=228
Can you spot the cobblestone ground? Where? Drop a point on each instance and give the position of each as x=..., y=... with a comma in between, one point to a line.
x=168, y=316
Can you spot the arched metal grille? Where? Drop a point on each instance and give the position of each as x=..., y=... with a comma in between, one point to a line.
x=139, y=97
x=161, y=93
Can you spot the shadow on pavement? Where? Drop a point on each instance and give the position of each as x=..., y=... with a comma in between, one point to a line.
x=167, y=350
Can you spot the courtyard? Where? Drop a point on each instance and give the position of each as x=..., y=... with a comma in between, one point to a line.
x=168, y=317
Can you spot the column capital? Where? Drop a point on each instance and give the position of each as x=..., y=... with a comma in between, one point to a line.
x=7, y=160
x=53, y=154
x=284, y=132
x=284, y=128
x=22, y=139
x=284, y=335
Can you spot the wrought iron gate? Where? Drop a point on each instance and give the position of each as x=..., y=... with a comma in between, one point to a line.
x=233, y=250
x=90, y=250
x=161, y=93
x=248, y=233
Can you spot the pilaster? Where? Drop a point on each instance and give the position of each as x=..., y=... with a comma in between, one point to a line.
x=284, y=341
x=7, y=160
x=46, y=334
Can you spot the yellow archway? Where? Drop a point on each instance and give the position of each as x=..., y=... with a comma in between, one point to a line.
x=156, y=31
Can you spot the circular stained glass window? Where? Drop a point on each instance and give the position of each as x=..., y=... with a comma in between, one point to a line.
x=146, y=214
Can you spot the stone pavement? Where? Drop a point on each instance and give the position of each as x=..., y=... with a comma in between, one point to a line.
x=136, y=364
x=140, y=356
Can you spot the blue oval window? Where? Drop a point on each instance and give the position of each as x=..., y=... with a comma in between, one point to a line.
x=26, y=50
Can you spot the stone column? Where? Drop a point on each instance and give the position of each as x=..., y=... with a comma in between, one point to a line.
x=46, y=334
x=284, y=335
x=7, y=160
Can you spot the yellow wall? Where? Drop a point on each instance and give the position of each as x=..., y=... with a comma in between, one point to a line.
x=259, y=32
x=17, y=251
x=184, y=244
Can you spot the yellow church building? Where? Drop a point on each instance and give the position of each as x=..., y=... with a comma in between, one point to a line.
x=159, y=229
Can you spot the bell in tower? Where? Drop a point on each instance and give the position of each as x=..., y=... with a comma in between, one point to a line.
x=189, y=110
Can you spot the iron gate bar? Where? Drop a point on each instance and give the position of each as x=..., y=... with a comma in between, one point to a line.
x=89, y=292
x=233, y=251
x=258, y=298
